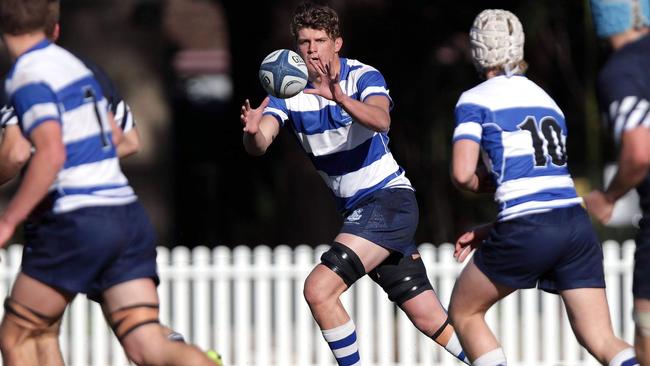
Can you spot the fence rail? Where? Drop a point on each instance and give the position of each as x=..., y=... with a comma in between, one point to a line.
x=247, y=304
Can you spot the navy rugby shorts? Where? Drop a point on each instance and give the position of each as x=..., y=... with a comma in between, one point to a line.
x=387, y=217
x=641, y=282
x=90, y=249
x=555, y=250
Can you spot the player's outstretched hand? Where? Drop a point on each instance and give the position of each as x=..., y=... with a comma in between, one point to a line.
x=471, y=240
x=599, y=206
x=251, y=117
x=329, y=87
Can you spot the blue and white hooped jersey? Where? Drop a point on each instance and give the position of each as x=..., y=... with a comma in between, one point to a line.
x=522, y=133
x=121, y=111
x=48, y=83
x=353, y=160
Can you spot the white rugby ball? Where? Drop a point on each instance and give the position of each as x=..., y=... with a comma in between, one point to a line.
x=283, y=73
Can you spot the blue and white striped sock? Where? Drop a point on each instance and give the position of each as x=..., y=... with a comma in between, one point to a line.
x=626, y=357
x=454, y=347
x=343, y=343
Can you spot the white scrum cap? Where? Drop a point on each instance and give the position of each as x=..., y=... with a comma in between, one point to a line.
x=497, y=38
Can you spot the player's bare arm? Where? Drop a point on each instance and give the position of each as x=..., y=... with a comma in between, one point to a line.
x=41, y=172
x=127, y=143
x=15, y=150
x=372, y=112
x=633, y=165
x=259, y=130
x=130, y=143
x=464, y=165
x=633, y=162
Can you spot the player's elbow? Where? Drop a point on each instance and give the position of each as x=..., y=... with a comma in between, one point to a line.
x=638, y=158
x=254, y=146
x=383, y=124
x=254, y=150
x=18, y=154
x=463, y=178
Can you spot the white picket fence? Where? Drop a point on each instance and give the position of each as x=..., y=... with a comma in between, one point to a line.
x=247, y=304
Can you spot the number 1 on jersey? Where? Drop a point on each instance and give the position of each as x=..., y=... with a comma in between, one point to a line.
x=548, y=143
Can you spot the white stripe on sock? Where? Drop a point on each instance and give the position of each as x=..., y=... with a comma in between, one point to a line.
x=624, y=355
x=340, y=332
x=495, y=357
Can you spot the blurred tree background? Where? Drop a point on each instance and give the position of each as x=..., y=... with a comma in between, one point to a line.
x=186, y=66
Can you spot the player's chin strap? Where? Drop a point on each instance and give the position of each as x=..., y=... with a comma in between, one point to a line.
x=127, y=319
x=642, y=321
x=28, y=318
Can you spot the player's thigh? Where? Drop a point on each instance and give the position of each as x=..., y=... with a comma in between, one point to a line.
x=641, y=284
x=131, y=309
x=382, y=223
x=32, y=307
x=38, y=296
x=129, y=293
x=369, y=253
x=588, y=312
x=474, y=293
x=642, y=329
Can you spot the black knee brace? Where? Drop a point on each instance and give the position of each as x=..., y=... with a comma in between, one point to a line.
x=344, y=262
x=401, y=277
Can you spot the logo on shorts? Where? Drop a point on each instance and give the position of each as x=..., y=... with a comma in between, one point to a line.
x=355, y=215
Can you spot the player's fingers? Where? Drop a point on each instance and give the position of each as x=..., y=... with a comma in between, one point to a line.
x=320, y=67
x=466, y=238
x=247, y=104
x=464, y=254
x=314, y=65
x=265, y=102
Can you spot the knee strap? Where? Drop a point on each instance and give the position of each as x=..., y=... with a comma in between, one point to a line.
x=401, y=277
x=442, y=328
x=642, y=322
x=125, y=320
x=28, y=318
x=344, y=262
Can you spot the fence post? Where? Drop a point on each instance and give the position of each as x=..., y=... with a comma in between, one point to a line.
x=262, y=305
x=200, y=270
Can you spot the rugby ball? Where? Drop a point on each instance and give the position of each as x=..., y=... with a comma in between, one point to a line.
x=283, y=73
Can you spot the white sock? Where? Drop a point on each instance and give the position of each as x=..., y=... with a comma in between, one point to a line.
x=454, y=347
x=496, y=357
x=343, y=343
x=624, y=358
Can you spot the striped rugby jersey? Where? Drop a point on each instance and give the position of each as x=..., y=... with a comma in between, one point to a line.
x=353, y=160
x=48, y=83
x=121, y=110
x=624, y=97
x=522, y=133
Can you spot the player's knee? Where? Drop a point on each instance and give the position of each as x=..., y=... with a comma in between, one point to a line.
x=341, y=260
x=146, y=353
x=344, y=262
x=317, y=290
x=128, y=319
x=21, y=323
